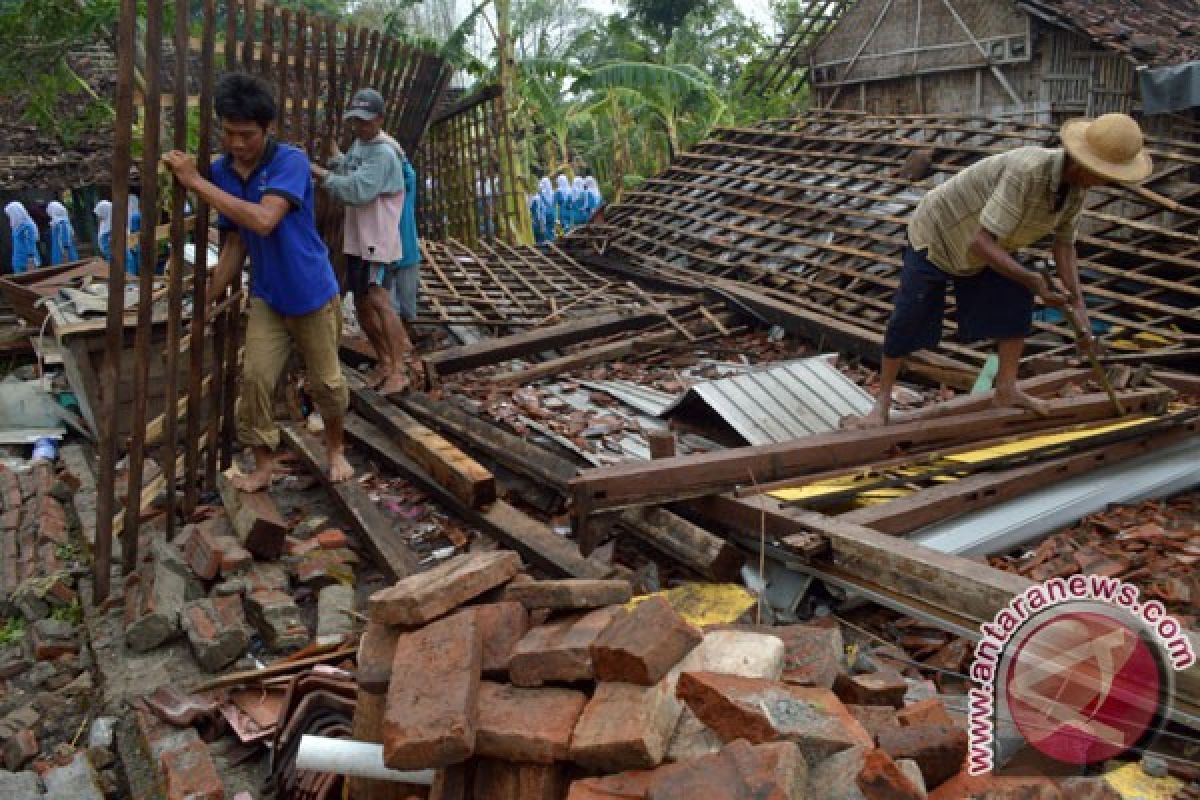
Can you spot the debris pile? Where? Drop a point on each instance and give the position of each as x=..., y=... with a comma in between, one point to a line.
x=511, y=687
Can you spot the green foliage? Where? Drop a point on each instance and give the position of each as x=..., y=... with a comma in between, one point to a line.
x=12, y=631
x=72, y=614
x=33, y=72
x=661, y=18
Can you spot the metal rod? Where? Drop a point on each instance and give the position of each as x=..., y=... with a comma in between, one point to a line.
x=110, y=368
x=148, y=249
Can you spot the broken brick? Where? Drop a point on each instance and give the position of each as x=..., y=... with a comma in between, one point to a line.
x=276, y=617
x=503, y=625
x=883, y=688
x=52, y=638
x=558, y=651
x=332, y=539
x=190, y=774
x=526, y=725
x=423, y=597
x=763, y=711
x=741, y=771
x=874, y=718
x=641, y=646
x=216, y=631
x=376, y=651
x=930, y=711
x=19, y=750
x=938, y=749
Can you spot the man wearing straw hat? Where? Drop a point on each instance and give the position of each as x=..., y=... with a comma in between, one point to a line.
x=965, y=231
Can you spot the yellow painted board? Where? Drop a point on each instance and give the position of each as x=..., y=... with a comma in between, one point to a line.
x=1046, y=440
x=705, y=603
x=1132, y=783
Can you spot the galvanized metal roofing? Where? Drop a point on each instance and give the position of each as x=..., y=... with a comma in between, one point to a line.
x=783, y=402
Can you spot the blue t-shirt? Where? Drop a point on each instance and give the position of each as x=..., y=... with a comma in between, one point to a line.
x=290, y=268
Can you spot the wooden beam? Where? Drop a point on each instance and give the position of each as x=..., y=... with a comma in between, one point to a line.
x=389, y=549
x=686, y=542
x=461, y=475
x=612, y=351
x=668, y=479
x=491, y=351
x=533, y=540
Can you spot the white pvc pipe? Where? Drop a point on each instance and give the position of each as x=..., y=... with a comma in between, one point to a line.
x=357, y=759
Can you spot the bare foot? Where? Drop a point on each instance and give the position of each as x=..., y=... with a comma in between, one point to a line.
x=877, y=418
x=1014, y=398
x=256, y=481
x=339, y=468
x=395, y=383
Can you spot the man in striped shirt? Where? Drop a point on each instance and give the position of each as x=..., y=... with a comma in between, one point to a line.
x=964, y=233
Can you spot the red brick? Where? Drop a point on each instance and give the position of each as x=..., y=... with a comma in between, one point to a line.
x=501, y=780
x=625, y=726
x=276, y=617
x=52, y=520
x=432, y=699
x=883, y=688
x=201, y=552
x=924, y=712
x=19, y=750
x=938, y=749
x=623, y=786
x=216, y=630
x=642, y=645
x=526, y=725
x=190, y=774
x=503, y=625
x=874, y=718
x=740, y=771
x=559, y=651
x=760, y=710
x=992, y=787
x=881, y=779
x=419, y=598
x=298, y=547
x=332, y=539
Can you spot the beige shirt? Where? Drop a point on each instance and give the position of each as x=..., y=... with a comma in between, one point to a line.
x=1010, y=194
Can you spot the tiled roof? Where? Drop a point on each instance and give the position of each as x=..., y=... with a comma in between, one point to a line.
x=1149, y=32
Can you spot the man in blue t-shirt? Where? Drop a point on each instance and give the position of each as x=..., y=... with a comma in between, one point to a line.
x=264, y=195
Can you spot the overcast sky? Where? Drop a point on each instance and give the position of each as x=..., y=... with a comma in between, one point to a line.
x=756, y=10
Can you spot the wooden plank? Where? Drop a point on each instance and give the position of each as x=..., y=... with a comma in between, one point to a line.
x=490, y=351
x=664, y=480
x=256, y=519
x=460, y=474
x=390, y=550
x=687, y=543
x=533, y=540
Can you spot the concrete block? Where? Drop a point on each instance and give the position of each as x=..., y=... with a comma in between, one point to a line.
x=75, y=781
x=334, y=604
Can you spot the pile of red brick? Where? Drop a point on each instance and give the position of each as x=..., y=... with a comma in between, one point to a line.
x=543, y=690
x=1154, y=545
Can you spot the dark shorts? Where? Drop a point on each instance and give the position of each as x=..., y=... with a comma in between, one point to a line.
x=361, y=275
x=989, y=306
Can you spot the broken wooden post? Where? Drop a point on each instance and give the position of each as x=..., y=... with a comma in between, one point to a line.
x=662, y=443
x=690, y=545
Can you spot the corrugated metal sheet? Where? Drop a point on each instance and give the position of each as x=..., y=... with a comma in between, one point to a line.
x=643, y=398
x=780, y=403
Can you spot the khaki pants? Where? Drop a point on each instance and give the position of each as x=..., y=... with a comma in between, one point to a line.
x=269, y=340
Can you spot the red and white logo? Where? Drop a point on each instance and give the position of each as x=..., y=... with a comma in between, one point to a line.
x=1083, y=686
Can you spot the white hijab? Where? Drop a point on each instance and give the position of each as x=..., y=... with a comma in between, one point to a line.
x=103, y=212
x=17, y=215
x=134, y=205
x=58, y=213
x=546, y=189
x=563, y=185
x=577, y=188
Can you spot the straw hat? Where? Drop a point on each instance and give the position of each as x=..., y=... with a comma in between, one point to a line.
x=1109, y=146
